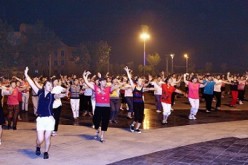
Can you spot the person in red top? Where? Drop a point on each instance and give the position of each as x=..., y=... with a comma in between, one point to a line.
x=167, y=91
x=13, y=104
x=102, y=109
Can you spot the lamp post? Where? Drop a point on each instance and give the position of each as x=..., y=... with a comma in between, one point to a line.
x=187, y=62
x=172, y=62
x=144, y=36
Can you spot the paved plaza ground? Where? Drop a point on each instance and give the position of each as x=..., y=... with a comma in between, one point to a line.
x=214, y=138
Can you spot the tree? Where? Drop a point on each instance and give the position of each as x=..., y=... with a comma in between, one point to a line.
x=82, y=57
x=153, y=60
x=100, y=56
x=5, y=46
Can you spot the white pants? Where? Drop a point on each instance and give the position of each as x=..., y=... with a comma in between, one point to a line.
x=35, y=103
x=194, y=106
x=166, y=109
x=25, y=98
x=75, y=107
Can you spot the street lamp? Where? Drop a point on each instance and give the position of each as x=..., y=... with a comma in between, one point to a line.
x=187, y=62
x=144, y=36
x=172, y=62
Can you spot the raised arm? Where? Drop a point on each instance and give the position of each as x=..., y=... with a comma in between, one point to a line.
x=30, y=81
x=129, y=77
x=85, y=77
x=184, y=79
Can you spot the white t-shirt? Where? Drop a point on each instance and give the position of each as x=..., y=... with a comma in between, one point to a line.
x=217, y=86
x=57, y=90
x=129, y=91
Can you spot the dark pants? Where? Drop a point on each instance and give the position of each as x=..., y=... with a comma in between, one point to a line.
x=158, y=102
x=56, y=115
x=241, y=95
x=101, y=116
x=208, y=100
x=138, y=112
x=81, y=103
x=130, y=103
x=13, y=114
x=173, y=98
x=87, y=106
x=218, y=99
x=115, y=106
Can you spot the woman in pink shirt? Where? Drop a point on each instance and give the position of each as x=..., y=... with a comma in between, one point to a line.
x=102, y=109
x=193, y=95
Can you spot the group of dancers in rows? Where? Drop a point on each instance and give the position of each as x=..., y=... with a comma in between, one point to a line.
x=104, y=95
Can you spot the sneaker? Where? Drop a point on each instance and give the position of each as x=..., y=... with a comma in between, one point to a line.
x=190, y=117
x=37, y=152
x=97, y=135
x=54, y=133
x=193, y=117
x=207, y=111
x=129, y=117
x=137, y=131
x=102, y=140
x=132, y=128
x=164, y=122
x=172, y=109
x=85, y=113
x=158, y=111
x=46, y=156
x=14, y=127
x=240, y=102
x=114, y=121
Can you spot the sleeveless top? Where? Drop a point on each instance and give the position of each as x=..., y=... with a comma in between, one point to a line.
x=138, y=95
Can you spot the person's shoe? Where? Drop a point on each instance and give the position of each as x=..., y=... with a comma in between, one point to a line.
x=45, y=156
x=102, y=140
x=172, y=109
x=132, y=128
x=37, y=152
x=110, y=122
x=129, y=117
x=193, y=117
x=54, y=133
x=85, y=113
x=190, y=117
x=114, y=121
x=164, y=122
x=14, y=127
x=8, y=127
x=97, y=135
x=240, y=102
x=90, y=114
x=207, y=111
x=158, y=111
x=19, y=118
x=137, y=131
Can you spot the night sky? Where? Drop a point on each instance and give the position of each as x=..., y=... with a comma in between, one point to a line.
x=208, y=30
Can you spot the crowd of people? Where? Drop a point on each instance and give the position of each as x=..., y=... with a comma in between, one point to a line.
x=101, y=97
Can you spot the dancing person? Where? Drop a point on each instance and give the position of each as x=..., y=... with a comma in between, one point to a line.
x=241, y=89
x=57, y=104
x=234, y=88
x=208, y=92
x=2, y=120
x=45, y=121
x=75, y=100
x=217, y=91
x=138, y=101
x=193, y=95
x=102, y=108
